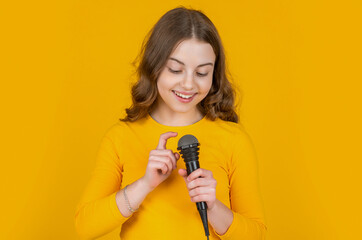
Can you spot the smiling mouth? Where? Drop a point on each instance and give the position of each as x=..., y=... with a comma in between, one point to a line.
x=183, y=95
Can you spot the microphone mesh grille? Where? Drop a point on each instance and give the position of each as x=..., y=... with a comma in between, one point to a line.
x=187, y=140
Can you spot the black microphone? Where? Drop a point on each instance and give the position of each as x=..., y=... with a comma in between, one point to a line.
x=188, y=147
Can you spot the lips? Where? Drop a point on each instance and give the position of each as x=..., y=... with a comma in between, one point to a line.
x=184, y=100
x=184, y=95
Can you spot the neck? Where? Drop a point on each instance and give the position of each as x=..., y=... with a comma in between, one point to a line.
x=176, y=118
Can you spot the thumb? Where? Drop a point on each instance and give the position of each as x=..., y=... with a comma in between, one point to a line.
x=183, y=173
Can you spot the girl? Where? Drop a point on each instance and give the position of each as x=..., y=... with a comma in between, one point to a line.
x=139, y=182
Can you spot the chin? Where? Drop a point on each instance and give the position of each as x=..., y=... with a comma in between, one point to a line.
x=181, y=109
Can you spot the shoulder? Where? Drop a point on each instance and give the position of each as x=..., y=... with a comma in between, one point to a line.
x=231, y=128
x=115, y=130
x=121, y=129
x=236, y=134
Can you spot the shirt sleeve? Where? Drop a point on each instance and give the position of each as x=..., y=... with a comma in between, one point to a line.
x=97, y=212
x=245, y=198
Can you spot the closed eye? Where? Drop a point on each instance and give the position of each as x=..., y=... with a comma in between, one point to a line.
x=173, y=71
x=202, y=74
x=178, y=71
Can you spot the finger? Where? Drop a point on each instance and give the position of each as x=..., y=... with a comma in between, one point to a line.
x=202, y=198
x=166, y=152
x=177, y=156
x=156, y=165
x=163, y=159
x=200, y=182
x=199, y=173
x=201, y=190
x=163, y=139
x=166, y=160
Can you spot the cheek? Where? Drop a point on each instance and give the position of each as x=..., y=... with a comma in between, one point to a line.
x=162, y=85
x=205, y=86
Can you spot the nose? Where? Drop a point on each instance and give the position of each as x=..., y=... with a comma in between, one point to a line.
x=187, y=82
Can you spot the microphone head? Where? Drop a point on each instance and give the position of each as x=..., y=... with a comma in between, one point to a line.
x=187, y=141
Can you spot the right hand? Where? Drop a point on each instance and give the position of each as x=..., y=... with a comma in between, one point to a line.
x=161, y=162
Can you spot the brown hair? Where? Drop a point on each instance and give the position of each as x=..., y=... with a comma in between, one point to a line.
x=173, y=27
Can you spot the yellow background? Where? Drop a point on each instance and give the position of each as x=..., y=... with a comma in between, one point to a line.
x=65, y=77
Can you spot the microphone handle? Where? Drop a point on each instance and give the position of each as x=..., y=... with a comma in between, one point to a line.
x=201, y=206
x=190, y=167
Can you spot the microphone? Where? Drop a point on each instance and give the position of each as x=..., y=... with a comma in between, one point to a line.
x=188, y=147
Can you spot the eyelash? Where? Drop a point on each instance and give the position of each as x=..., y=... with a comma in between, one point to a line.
x=200, y=74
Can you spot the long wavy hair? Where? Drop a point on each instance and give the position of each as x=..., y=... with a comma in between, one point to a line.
x=173, y=27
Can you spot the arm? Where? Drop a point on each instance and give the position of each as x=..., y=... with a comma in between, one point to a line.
x=103, y=206
x=97, y=212
x=245, y=197
x=245, y=218
x=202, y=187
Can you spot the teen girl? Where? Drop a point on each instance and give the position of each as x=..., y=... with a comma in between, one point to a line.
x=140, y=183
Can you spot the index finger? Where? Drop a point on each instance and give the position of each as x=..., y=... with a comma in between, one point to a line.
x=163, y=139
x=200, y=172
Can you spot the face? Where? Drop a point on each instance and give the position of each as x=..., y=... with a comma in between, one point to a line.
x=187, y=77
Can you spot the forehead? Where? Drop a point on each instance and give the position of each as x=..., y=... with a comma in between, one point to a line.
x=193, y=52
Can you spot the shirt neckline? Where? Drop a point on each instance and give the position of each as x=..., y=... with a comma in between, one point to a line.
x=155, y=123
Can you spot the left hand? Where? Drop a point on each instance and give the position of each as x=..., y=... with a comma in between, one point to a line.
x=201, y=186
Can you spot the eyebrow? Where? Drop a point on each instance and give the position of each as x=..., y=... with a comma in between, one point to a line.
x=204, y=64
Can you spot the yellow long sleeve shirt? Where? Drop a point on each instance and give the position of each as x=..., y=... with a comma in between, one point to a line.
x=167, y=212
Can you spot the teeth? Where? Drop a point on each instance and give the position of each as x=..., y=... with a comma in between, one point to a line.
x=182, y=95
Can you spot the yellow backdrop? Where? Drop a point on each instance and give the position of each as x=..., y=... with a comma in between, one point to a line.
x=65, y=76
